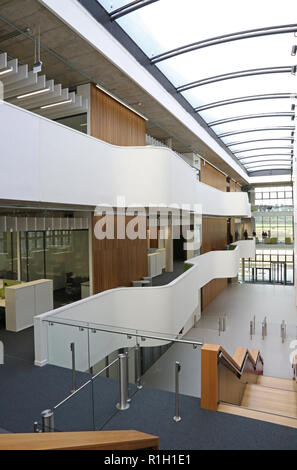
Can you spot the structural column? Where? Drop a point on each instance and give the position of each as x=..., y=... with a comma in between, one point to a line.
x=169, y=250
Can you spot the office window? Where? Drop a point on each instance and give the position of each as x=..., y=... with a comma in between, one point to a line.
x=8, y=255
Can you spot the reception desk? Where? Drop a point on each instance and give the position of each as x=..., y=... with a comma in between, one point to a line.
x=156, y=262
x=24, y=301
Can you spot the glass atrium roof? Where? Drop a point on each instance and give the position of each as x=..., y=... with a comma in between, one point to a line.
x=234, y=62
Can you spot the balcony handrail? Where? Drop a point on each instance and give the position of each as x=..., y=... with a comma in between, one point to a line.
x=136, y=335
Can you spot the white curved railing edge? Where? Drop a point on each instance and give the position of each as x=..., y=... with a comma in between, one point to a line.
x=95, y=173
x=163, y=309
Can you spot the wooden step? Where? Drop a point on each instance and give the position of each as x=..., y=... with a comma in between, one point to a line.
x=270, y=400
x=253, y=414
x=274, y=382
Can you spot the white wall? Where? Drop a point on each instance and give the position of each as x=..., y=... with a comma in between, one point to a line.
x=164, y=309
x=47, y=162
x=247, y=248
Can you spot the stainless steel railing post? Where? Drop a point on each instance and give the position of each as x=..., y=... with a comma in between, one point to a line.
x=251, y=329
x=177, y=417
x=72, y=349
x=47, y=421
x=138, y=367
x=265, y=326
x=123, y=382
x=127, y=354
x=283, y=331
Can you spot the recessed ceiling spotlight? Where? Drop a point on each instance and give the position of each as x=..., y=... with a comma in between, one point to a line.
x=293, y=107
x=294, y=69
x=294, y=50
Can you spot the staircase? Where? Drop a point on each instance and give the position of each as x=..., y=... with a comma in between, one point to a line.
x=270, y=399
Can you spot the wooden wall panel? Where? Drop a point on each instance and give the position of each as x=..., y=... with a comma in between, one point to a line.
x=113, y=122
x=212, y=176
x=214, y=237
x=214, y=234
x=118, y=262
x=211, y=290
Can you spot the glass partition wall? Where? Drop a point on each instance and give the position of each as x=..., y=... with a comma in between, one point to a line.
x=8, y=255
x=60, y=255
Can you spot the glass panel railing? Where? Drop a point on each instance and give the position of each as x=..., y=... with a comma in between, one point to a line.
x=68, y=346
x=115, y=366
x=75, y=412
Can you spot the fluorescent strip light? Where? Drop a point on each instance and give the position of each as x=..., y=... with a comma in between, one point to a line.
x=55, y=104
x=33, y=93
x=6, y=71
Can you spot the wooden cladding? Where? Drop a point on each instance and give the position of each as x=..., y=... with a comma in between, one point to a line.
x=209, y=376
x=113, y=122
x=118, y=262
x=214, y=237
x=214, y=385
x=213, y=177
x=211, y=290
x=214, y=234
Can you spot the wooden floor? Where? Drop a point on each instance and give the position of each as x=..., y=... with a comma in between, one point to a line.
x=268, y=417
x=272, y=399
x=274, y=382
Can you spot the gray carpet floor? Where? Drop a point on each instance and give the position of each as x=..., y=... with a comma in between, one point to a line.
x=26, y=390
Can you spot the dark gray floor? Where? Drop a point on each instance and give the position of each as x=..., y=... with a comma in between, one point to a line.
x=26, y=390
x=152, y=411
x=166, y=278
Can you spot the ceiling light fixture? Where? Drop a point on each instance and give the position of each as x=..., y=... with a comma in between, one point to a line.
x=6, y=71
x=33, y=93
x=294, y=50
x=55, y=104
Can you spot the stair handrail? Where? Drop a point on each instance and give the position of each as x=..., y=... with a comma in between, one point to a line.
x=211, y=355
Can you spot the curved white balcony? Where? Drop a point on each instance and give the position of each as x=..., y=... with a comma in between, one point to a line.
x=49, y=163
x=164, y=309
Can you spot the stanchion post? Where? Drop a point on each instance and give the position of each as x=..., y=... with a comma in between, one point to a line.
x=47, y=421
x=138, y=367
x=123, y=383
x=177, y=417
x=72, y=349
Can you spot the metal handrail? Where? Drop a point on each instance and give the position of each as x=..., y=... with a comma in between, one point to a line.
x=136, y=335
x=85, y=384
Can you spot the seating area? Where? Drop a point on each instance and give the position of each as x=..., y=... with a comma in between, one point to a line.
x=270, y=241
